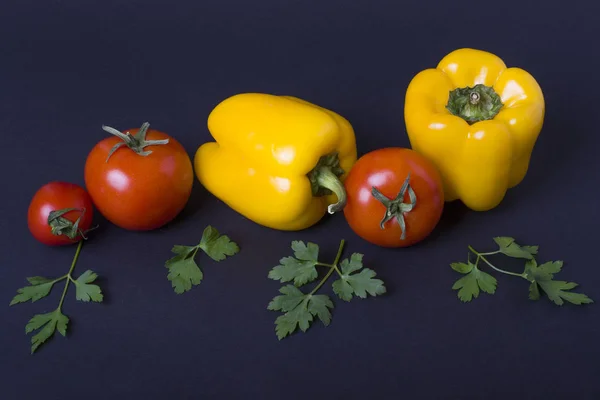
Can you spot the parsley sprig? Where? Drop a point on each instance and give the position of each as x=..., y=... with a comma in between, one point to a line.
x=301, y=308
x=540, y=276
x=184, y=273
x=40, y=287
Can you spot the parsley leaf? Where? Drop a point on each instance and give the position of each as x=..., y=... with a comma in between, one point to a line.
x=541, y=277
x=357, y=284
x=217, y=246
x=289, y=268
x=509, y=247
x=183, y=270
x=40, y=287
x=301, y=269
x=84, y=290
x=475, y=280
x=319, y=305
x=299, y=308
x=290, y=298
x=557, y=291
x=184, y=273
x=462, y=267
x=306, y=252
x=48, y=323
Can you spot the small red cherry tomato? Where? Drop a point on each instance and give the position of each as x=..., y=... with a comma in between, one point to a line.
x=60, y=213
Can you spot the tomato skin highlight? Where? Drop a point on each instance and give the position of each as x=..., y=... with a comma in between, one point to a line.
x=136, y=192
x=387, y=169
x=55, y=196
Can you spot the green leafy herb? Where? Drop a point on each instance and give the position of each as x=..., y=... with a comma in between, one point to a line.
x=357, y=284
x=48, y=324
x=85, y=291
x=40, y=287
x=299, y=308
x=184, y=273
x=557, y=291
x=475, y=280
x=540, y=276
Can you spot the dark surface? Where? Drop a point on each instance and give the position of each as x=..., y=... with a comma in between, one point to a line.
x=67, y=67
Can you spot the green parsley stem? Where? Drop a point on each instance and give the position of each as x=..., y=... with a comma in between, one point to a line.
x=490, y=253
x=75, y=258
x=339, y=253
x=338, y=256
x=320, y=264
x=60, y=278
x=332, y=267
x=481, y=256
x=322, y=281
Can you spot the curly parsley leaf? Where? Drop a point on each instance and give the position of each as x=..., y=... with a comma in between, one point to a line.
x=184, y=273
x=301, y=308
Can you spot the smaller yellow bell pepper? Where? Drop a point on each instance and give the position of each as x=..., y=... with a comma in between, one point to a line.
x=477, y=121
x=278, y=160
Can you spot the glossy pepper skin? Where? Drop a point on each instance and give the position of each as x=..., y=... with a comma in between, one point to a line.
x=481, y=143
x=266, y=150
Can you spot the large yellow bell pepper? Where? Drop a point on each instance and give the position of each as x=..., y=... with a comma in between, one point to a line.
x=277, y=160
x=478, y=121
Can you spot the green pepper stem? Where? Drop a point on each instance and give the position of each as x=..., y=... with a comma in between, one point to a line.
x=473, y=104
x=327, y=179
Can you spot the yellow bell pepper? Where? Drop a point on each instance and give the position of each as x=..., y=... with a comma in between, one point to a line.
x=477, y=121
x=278, y=160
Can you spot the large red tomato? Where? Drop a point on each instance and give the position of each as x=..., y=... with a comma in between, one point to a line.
x=139, y=180
x=58, y=198
x=395, y=197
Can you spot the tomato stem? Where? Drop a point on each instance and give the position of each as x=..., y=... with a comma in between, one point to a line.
x=396, y=208
x=60, y=225
x=137, y=143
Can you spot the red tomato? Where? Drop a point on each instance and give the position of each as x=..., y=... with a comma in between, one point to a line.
x=56, y=196
x=144, y=183
x=386, y=171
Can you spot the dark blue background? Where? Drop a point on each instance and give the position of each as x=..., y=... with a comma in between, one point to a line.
x=67, y=67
